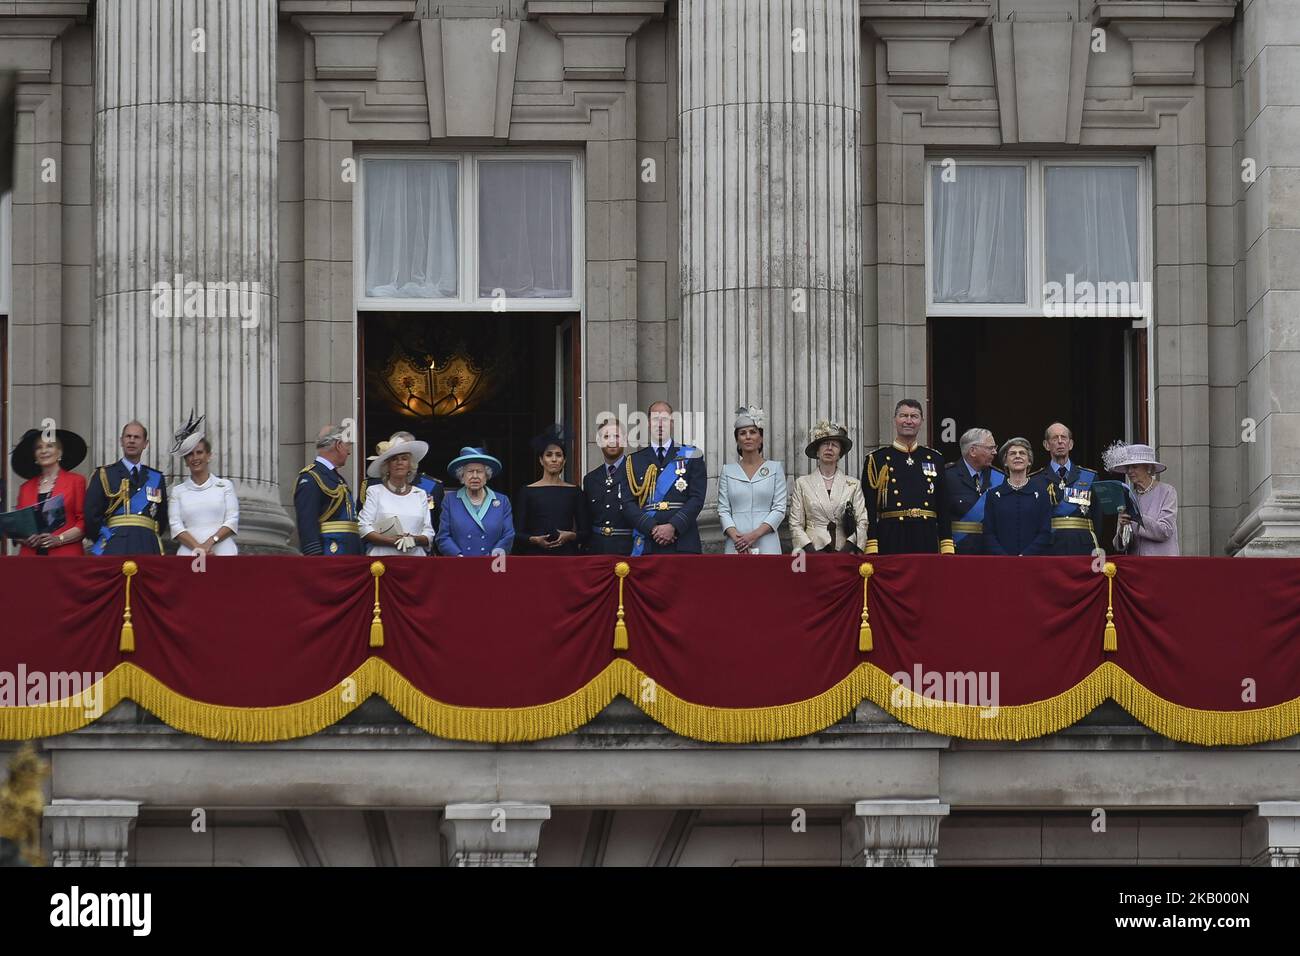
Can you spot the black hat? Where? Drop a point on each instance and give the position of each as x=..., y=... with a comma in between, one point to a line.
x=23, y=458
x=554, y=435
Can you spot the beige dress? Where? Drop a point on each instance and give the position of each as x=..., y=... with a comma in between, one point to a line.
x=812, y=509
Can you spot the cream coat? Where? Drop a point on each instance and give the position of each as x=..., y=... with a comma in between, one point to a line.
x=811, y=510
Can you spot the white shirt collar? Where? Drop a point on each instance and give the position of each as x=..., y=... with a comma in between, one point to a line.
x=128, y=465
x=973, y=471
x=326, y=462
x=617, y=463
x=1069, y=466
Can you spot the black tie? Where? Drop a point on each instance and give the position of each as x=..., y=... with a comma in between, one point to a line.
x=977, y=483
x=610, y=470
x=662, y=453
x=135, y=476
x=1060, y=470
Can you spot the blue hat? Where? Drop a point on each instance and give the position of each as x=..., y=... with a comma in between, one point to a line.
x=469, y=455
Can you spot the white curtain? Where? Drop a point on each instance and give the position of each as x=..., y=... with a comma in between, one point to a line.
x=411, y=226
x=978, y=234
x=525, y=229
x=1091, y=223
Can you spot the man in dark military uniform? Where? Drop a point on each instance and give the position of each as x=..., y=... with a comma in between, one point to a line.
x=322, y=501
x=1076, y=520
x=602, y=490
x=907, y=511
x=126, y=502
x=965, y=481
x=431, y=486
x=663, y=490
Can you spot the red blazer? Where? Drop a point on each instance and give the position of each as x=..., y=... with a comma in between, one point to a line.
x=73, y=488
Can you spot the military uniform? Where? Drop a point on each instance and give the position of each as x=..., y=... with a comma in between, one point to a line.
x=325, y=512
x=671, y=495
x=966, y=503
x=602, y=492
x=907, y=511
x=1076, y=518
x=432, y=487
x=124, y=512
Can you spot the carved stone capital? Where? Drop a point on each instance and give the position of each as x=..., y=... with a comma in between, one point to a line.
x=917, y=35
x=347, y=47
x=1163, y=35
x=594, y=33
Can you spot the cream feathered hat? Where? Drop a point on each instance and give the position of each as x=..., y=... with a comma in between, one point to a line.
x=824, y=430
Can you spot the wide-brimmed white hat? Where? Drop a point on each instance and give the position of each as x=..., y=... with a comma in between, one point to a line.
x=388, y=449
x=1119, y=456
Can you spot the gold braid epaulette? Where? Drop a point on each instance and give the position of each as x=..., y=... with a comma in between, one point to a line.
x=878, y=479
x=337, y=494
x=114, y=500
x=642, y=491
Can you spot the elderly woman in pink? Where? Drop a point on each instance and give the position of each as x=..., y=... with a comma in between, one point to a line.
x=1157, y=531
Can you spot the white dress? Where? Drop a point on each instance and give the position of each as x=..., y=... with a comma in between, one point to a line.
x=202, y=509
x=411, y=509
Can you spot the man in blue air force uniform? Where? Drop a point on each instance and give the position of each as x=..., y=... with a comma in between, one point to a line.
x=126, y=502
x=322, y=501
x=663, y=490
x=1076, y=520
x=966, y=482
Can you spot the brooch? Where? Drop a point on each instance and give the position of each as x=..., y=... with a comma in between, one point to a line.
x=496, y=502
x=762, y=472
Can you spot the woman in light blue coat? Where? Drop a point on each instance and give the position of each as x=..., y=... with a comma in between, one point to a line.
x=752, y=500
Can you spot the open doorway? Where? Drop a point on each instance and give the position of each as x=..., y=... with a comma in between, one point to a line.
x=475, y=378
x=1016, y=376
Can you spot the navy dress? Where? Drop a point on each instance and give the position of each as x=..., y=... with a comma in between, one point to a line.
x=540, y=510
x=1018, y=521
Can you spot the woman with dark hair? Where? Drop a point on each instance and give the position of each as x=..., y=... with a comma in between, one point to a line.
x=751, y=492
x=549, y=516
x=204, y=510
x=45, y=461
x=1018, y=512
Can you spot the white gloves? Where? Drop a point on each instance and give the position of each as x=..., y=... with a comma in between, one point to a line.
x=405, y=543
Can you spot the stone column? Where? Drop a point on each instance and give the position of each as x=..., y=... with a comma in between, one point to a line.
x=493, y=834
x=90, y=832
x=770, y=235
x=185, y=195
x=1269, y=49
x=1272, y=834
x=894, y=832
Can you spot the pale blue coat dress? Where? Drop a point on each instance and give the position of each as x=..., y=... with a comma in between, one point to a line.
x=745, y=504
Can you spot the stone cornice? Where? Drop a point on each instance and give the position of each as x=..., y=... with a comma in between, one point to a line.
x=594, y=33
x=347, y=47
x=917, y=35
x=1163, y=35
x=27, y=44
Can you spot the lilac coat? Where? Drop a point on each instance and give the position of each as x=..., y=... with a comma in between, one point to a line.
x=1159, y=531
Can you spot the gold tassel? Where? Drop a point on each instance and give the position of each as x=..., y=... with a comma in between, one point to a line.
x=127, y=644
x=620, y=629
x=1110, y=639
x=376, y=625
x=864, y=631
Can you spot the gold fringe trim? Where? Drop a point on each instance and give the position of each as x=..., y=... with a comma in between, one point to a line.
x=696, y=721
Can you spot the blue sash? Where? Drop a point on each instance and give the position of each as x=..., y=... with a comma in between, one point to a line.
x=1066, y=508
x=137, y=504
x=976, y=512
x=665, y=480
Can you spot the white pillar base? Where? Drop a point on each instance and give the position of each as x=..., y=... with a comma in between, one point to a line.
x=1273, y=832
x=90, y=832
x=493, y=834
x=894, y=832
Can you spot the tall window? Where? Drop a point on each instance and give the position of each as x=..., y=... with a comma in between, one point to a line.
x=1037, y=237
x=469, y=231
